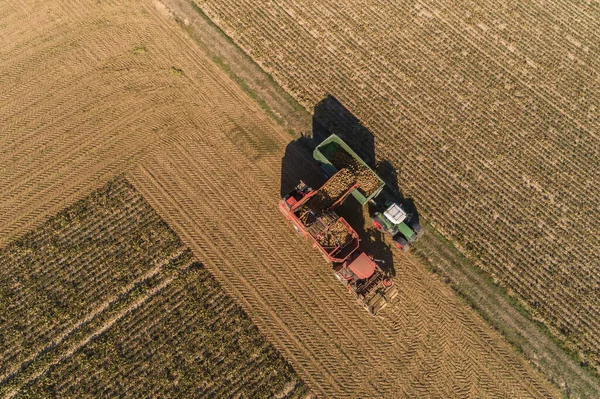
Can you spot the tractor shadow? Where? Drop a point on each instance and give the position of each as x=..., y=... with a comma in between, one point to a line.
x=331, y=117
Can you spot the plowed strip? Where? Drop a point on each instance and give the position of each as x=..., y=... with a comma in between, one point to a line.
x=228, y=216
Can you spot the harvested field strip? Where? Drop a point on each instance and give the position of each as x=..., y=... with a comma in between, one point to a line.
x=294, y=299
x=114, y=257
x=510, y=148
x=220, y=353
x=49, y=280
x=75, y=100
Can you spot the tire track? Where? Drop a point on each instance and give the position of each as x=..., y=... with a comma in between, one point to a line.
x=244, y=241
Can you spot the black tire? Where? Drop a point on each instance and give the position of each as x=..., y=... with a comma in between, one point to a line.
x=417, y=229
x=400, y=243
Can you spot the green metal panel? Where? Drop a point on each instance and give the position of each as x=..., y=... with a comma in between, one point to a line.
x=360, y=197
x=333, y=143
x=385, y=222
x=319, y=156
x=405, y=230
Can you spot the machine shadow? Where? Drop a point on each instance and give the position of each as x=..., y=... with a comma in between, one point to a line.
x=389, y=174
x=332, y=117
x=298, y=164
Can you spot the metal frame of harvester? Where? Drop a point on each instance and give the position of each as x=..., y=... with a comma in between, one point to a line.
x=353, y=267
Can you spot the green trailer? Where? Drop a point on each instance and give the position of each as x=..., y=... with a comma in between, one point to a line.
x=388, y=215
x=334, y=154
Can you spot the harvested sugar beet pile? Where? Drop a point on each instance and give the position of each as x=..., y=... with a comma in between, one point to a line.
x=337, y=234
x=366, y=179
x=331, y=191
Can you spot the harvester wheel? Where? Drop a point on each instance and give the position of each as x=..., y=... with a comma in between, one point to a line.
x=400, y=243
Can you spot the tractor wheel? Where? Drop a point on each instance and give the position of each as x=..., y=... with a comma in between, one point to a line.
x=378, y=223
x=400, y=243
x=417, y=229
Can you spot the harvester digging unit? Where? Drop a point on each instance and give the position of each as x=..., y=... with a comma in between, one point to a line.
x=312, y=215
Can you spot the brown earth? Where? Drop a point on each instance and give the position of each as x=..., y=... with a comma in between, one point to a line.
x=428, y=337
x=92, y=90
x=488, y=112
x=106, y=288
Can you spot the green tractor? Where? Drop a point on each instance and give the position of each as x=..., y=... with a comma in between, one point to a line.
x=388, y=216
x=394, y=220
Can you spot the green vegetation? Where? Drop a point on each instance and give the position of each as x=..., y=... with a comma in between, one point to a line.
x=140, y=50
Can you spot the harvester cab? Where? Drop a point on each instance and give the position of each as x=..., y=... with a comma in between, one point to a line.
x=361, y=266
x=299, y=192
x=395, y=221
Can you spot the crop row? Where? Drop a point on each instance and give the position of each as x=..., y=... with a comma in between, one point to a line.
x=55, y=275
x=503, y=167
x=188, y=340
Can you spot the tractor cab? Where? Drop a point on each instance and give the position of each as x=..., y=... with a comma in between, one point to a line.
x=395, y=213
x=395, y=221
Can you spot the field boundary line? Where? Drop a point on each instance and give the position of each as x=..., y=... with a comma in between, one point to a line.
x=492, y=319
x=152, y=184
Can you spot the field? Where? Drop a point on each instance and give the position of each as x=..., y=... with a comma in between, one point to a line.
x=93, y=281
x=88, y=95
x=489, y=114
x=121, y=308
x=229, y=219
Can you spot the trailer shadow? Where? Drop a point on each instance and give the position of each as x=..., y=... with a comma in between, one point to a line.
x=332, y=117
x=298, y=164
